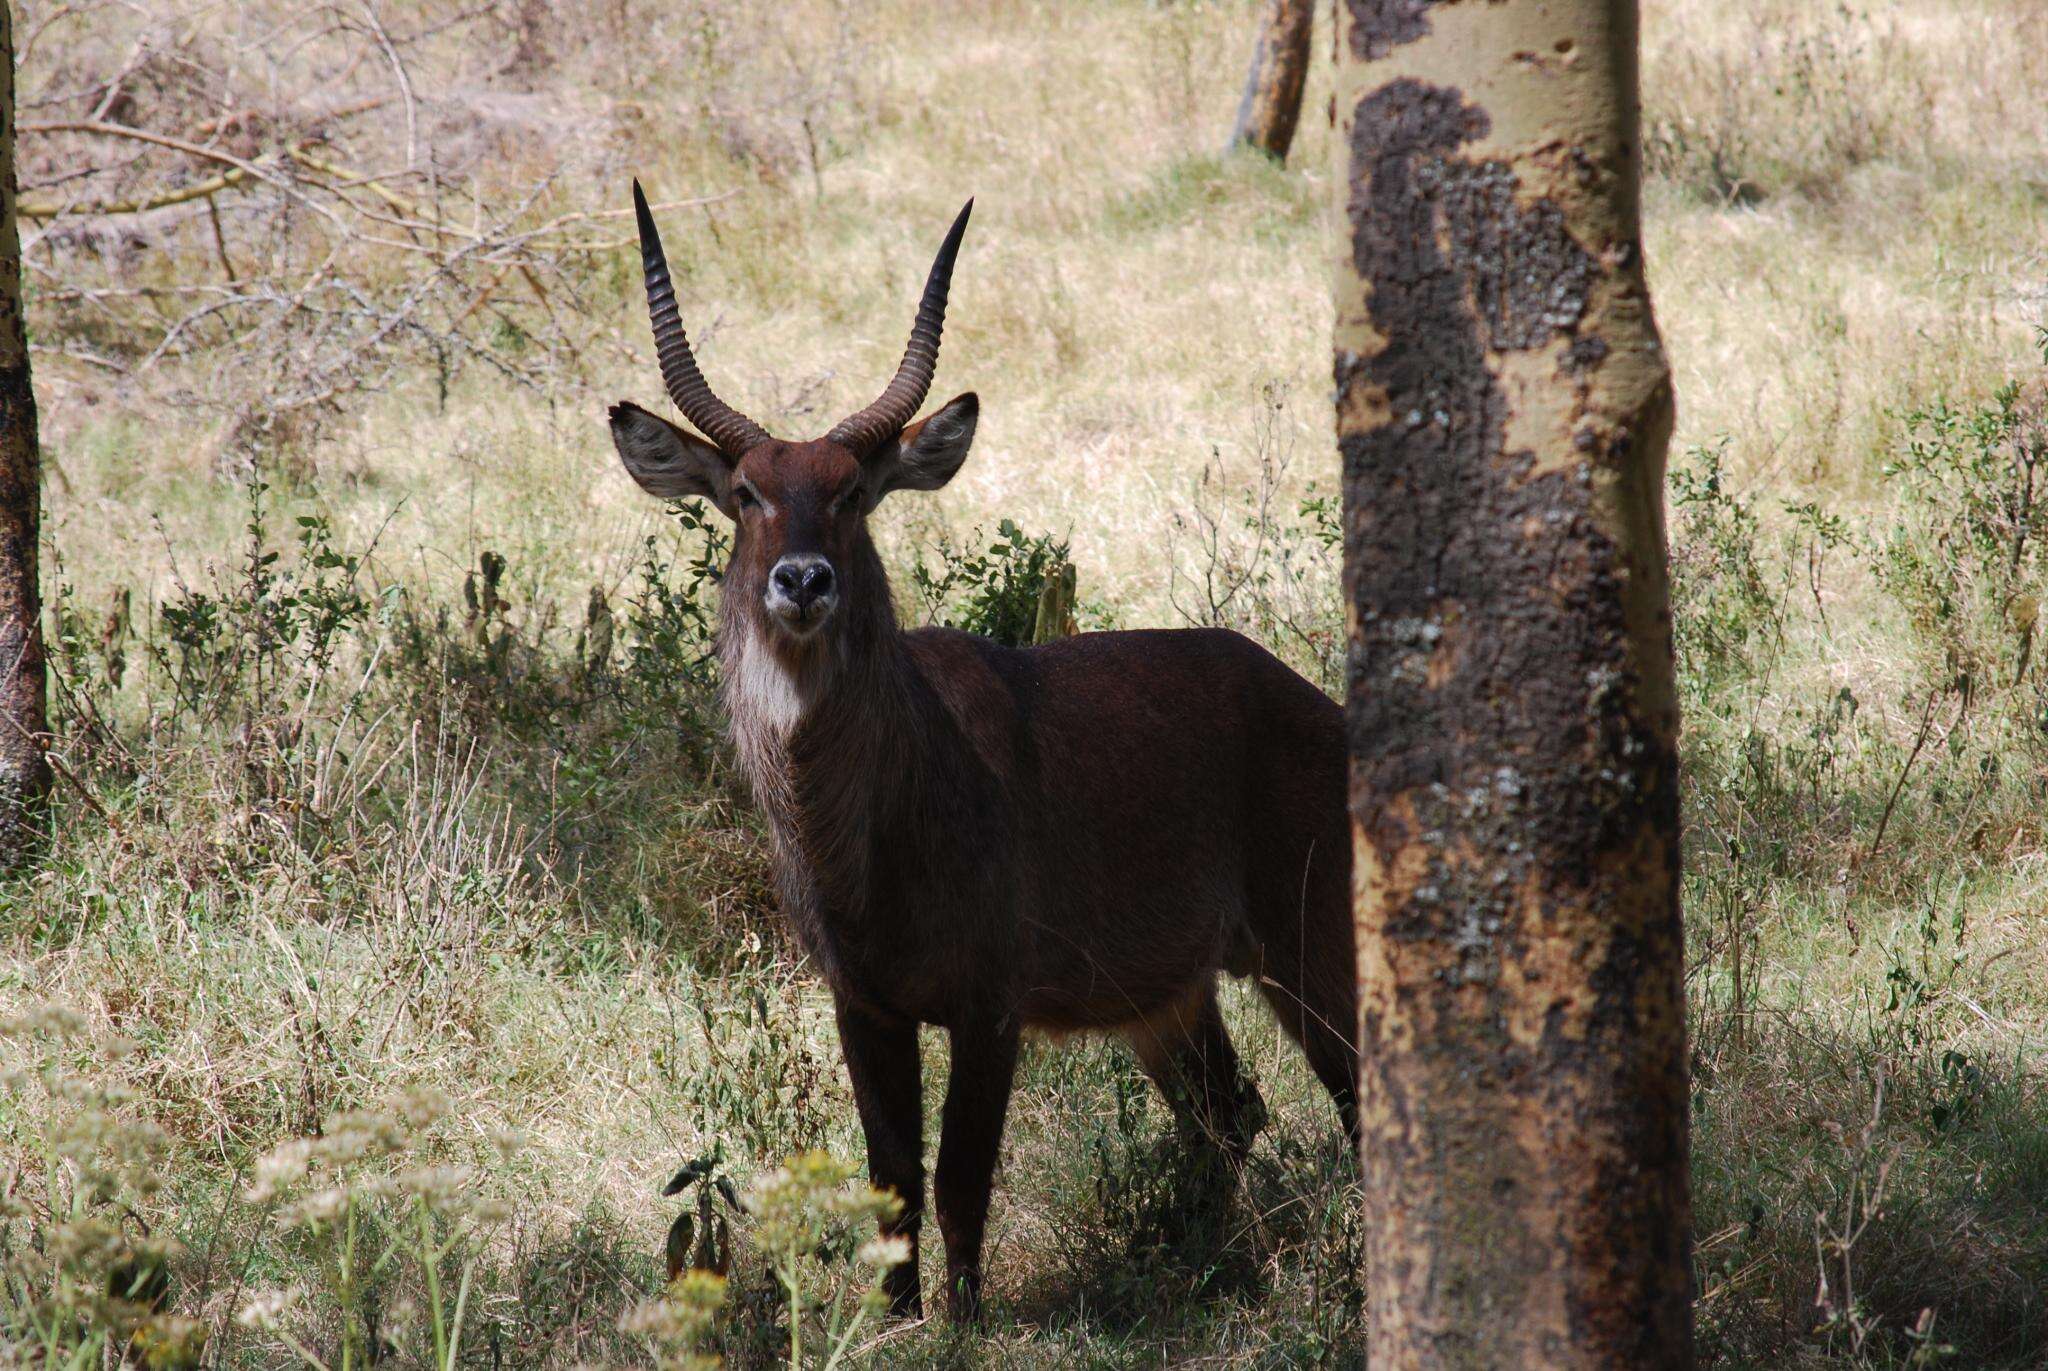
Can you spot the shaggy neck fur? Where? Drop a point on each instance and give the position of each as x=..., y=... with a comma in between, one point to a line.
x=822, y=730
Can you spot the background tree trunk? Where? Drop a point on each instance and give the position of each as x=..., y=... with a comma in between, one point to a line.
x=1503, y=407
x=24, y=771
x=1271, y=104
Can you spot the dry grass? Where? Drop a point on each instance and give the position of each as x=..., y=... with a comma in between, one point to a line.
x=554, y=912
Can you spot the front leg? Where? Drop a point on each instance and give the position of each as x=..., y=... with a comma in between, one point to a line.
x=977, y=1098
x=888, y=1089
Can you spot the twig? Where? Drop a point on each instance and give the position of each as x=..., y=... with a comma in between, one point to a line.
x=41, y=742
x=190, y=149
x=162, y=140
x=112, y=90
x=49, y=209
x=28, y=49
x=412, y=115
x=220, y=239
x=1884, y=819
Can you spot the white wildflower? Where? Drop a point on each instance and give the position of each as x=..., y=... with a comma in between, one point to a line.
x=267, y=1308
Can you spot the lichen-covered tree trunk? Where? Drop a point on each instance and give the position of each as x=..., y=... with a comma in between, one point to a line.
x=1271, y=105
x=24, y=771
x=1503, y=406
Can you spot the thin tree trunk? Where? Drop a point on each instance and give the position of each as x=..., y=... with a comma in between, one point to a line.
x=1271, y=105
x=24, y=771
x=1503, y=407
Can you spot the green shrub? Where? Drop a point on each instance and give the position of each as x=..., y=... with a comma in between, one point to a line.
x=994, y=591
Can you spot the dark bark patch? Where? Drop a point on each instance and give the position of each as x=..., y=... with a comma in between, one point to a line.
x=1523, y=272
x=1380, y=26
x=1442, y=519
x=19, y=478
x=1584, y=354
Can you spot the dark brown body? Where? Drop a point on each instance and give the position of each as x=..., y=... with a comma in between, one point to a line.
x=1119, y=814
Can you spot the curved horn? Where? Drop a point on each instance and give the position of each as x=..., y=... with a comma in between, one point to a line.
x=733, y=431
x=884, y=419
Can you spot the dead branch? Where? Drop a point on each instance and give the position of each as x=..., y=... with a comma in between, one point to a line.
x=260, y=219
x=198, y=190
x=162, y=140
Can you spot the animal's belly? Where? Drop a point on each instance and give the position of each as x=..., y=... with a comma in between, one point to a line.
x=1096, y=974
x=1057, y=1017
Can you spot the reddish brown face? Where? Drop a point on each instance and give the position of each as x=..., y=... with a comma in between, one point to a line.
x=800, y=511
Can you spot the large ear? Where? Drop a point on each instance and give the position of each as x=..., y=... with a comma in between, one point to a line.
x=927, y=454
x=668, y=462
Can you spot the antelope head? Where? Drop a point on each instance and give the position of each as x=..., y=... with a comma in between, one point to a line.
x=801, y=550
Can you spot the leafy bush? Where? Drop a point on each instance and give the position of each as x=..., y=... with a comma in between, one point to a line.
x=1252, y=559
x=1967, y=569
x=1727, y=611
x=993, y=592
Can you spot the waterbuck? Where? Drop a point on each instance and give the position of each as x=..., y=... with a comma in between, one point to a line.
x=985, y=838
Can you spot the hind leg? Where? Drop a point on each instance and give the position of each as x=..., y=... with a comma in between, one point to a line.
x=1319, y=1017
x=1305, y=962
x=1187, y=1052
x=1298, y=892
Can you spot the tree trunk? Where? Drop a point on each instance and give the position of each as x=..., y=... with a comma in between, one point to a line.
x=1271, y=104
x=1503, y=407
x=24, y=771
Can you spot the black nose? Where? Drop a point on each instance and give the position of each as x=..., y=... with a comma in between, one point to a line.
x=803, y=579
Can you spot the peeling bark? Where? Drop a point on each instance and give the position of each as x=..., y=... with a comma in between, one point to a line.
x=24, y=771
x=1503, y=408
x=1270, y=108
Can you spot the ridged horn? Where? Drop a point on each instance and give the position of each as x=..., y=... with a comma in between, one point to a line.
x=866, y=431
x=733, y=431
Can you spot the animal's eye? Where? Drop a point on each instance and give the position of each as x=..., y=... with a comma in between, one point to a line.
x=746, y=497
x=850, y=498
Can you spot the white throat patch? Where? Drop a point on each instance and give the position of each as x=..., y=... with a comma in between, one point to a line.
x=764, y=694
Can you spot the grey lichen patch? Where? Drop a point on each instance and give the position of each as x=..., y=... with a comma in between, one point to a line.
x=1415, y=639
x=1584, y=354
x=1473, y=944
x=1526, y=276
